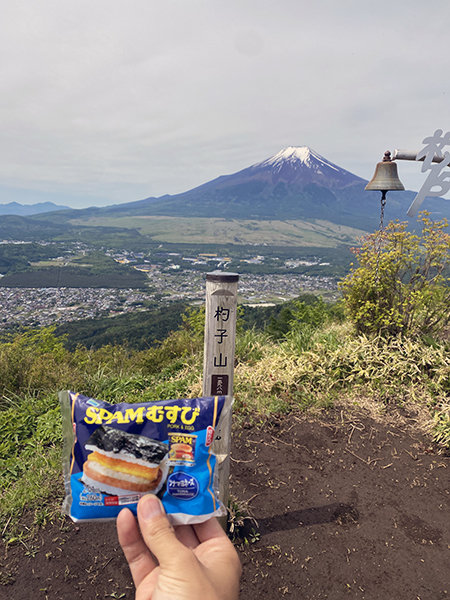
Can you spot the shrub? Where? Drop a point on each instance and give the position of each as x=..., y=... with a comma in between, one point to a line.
x=32, y=361
x=309, y=318
x=400, y=285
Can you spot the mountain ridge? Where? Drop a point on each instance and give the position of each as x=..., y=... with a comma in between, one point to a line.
x=26, y=210
x=295, y=183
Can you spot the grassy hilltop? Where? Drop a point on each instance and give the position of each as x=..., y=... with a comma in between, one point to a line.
x=307, y=358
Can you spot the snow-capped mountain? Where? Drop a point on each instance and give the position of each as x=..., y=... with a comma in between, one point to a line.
x=303, y=164
x=295, y=183
x=296, y=159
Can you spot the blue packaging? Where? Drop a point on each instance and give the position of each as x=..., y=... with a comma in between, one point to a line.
x=116, y=453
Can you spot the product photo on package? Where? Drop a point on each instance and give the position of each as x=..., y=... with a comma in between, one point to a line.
x=116, y=453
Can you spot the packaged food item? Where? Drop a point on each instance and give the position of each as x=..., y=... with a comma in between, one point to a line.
x=115, y=453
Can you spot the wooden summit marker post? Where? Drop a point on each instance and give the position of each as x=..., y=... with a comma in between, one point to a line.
x=218, y=361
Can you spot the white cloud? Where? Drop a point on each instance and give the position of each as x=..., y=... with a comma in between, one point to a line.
x=115, y=101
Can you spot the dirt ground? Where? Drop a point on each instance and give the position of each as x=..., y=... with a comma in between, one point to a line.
x=343, y=507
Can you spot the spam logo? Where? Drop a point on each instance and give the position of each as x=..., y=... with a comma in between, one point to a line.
x=156, y=414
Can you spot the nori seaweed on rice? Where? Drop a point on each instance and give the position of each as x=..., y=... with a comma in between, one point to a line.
x=131, y=446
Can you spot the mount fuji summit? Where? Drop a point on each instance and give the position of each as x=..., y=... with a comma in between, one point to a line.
x=302, y=165
x=295, y=183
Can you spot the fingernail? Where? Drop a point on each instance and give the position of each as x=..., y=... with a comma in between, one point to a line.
x=149, y=507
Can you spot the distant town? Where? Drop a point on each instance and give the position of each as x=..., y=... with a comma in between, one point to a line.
x=172, y=276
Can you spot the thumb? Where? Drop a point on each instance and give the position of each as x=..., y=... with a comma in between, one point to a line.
x=157, y=532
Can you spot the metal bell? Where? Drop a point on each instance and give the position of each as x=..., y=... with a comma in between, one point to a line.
x=386, y=176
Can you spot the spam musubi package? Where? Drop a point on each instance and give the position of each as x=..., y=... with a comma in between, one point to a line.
x=115, y=453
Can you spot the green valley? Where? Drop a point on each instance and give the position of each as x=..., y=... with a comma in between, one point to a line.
x=198, y=230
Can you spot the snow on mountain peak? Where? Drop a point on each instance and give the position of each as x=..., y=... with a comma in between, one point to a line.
x=301, y=153
x=296, y=157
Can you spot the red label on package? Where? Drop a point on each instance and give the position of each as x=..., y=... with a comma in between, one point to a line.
x=209, y=436
x=111, y=500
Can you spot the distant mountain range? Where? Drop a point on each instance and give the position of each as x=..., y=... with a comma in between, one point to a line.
x=295, y=183
x=26, y=210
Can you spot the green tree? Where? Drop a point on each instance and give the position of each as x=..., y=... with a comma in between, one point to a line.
x=400, y=285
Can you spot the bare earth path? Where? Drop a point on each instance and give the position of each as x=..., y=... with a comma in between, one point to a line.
x=346, y=507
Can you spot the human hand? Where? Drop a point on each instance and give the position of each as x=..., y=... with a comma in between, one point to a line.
x=190, y=562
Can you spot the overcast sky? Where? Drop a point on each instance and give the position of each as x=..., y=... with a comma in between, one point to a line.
x=110, y=101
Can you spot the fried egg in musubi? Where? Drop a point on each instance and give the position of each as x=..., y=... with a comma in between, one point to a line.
x=122, y=462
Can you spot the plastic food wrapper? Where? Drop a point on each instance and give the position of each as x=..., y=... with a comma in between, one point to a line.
x=116, y=453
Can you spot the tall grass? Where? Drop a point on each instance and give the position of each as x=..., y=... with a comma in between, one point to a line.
x=336, y=363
